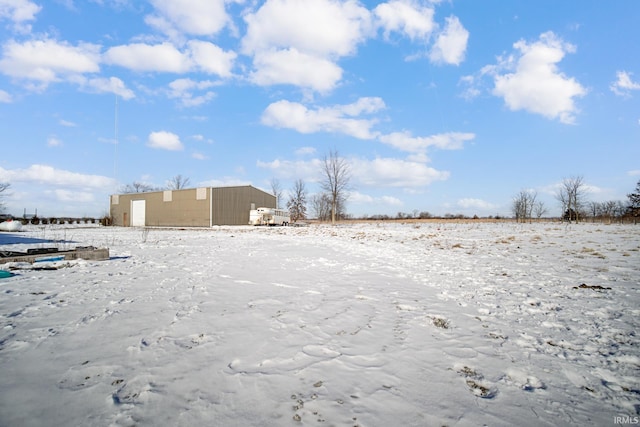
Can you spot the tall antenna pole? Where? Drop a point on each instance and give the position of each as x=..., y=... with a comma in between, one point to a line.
x=115, y=145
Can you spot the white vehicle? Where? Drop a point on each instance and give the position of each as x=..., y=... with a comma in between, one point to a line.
x=269, y=216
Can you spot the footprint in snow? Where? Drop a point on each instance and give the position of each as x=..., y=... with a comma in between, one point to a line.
x=139, y=390
x=84, y=376
x=186, y=342
x=523, y=380
x=476, y=383
x=309, y=411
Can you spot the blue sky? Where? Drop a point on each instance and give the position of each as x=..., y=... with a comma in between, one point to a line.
x=439, y=106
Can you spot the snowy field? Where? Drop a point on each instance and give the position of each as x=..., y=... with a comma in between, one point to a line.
x=380, y=324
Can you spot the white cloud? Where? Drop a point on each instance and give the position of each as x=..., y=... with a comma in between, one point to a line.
x=382, y=201
x=163, y=57
x=471, y=90
x=532, y=81
x=308, y=170
x=167, y=58
x=197, y=17
x=451, y=44
x=391, y=172
x=226, y=181
x=336, y=119
x=416, y=22
x=345, y=119
x=180, y=86
x=555, y=188
x=43, y=174
x=298, y=43
x=202, y=138
x=5, y=97
x=322, y=28
x=67, y=123
x=378, y=173
x=53, y=142
x=183, y=89
x=635, y=172
x=624, y=84
x=470, y=203
x=291, y=43
x=47, y=61
x=290, y=66
x=19, y=12
x=199, y=156
x=165, y=141
x=551, y=189
x=211, y=58
x=366, y=105
x=303, y=151
x=406, y=142
x=105, y=85
x=64, y=195
x=405, y=17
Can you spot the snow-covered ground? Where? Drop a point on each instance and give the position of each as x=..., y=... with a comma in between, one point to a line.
x=354, y=325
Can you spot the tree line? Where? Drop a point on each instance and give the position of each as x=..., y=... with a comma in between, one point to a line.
x=572, y=197
x=330, y=204
x=178, y=182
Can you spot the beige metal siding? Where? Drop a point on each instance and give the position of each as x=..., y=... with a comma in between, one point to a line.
x=120, y=209
x=183, y=210
x=192, y=207
x=231, y=205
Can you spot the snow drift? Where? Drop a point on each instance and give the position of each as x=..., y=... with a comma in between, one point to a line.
x=363, y=324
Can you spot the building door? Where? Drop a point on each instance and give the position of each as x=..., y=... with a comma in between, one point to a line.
x=138, y=212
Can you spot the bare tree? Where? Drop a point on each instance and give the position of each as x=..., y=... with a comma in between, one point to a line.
x=634, y=201
x=563, y=198
x=178, y=182
x=298, y=201
x=608, y=210
x=539, y=209
x=321, y=206
x=612, y=209
x=524, y=204
x=337, y=176
x=276, y=190
x=136, y=187
x=4, y=186
x=571, y=195
x=595, y=209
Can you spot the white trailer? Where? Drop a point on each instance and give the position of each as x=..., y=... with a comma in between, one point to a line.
x=269, y=216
